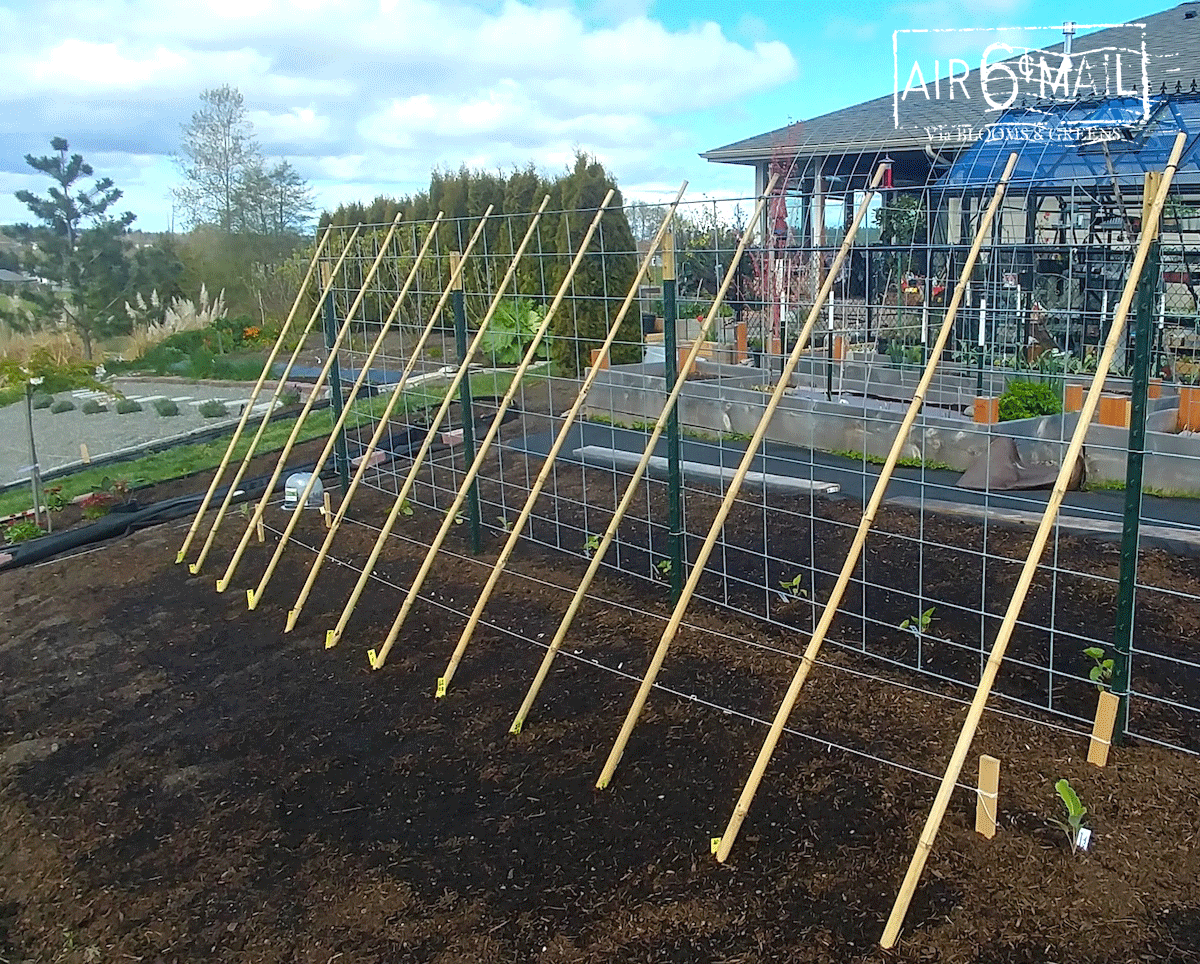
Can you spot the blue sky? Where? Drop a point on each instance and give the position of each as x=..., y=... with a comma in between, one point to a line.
x=366, y=96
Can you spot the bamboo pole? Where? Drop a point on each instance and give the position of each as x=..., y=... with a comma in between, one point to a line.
x=254, y=595
x=223, y=582
x=334, y=635
x=195, y=567
x=639, y=470
x=258, y=386
x=735, y=485
x=379, y=658
x=891, y=932
x=514, y=535
x=455, y=282
x=864, y=526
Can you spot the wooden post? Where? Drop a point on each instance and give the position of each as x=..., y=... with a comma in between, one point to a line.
x=237, y=432
x=326, y=511
x=261, y=531
x=223, y=582
x=327, y=281
x=253, y=596
x=83, y=453
x=334, y=635
x=868, y=517
x=896, y=920
x=518, y=527
x=1102, y=728
x=632, y=486
x=410, y=598
x=456, y=269
x=987, y=805
x=752, y=447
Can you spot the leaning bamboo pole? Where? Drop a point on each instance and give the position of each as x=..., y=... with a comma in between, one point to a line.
x=891, y=932
x=548, y=466
x=456, y=269
x=735, y=485
x=485, y=444
x=334, y=635
x=258, y=387
x=254, y=595
x=252, y=524
x=631, y=488
x=195, y=567
x=865, y=523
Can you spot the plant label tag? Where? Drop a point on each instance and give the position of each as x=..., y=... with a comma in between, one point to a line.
x=1083, y=838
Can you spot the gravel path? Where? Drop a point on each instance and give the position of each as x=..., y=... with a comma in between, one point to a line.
x=59, y=437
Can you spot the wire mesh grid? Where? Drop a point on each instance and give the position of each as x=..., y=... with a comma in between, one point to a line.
x=941, y=561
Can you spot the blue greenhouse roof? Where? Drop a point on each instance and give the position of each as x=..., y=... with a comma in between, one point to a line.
x=1063, y=144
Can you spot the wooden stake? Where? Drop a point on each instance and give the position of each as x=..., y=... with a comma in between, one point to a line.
x=334, y=635
x=464, y=488
x=514, y=535
x=631, y=488
x=83, y=455
x=1102, y=729
x=896, y=920
x=326, y=513
x=237, y=432
x=735, y=485
x=363, y=373
x=327, y=285
x=223, y=582
x=864, y=526
x=261, y=531
x=987, y=796
x=456, y=268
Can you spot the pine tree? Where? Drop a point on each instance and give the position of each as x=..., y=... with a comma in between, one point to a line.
x=75, y=250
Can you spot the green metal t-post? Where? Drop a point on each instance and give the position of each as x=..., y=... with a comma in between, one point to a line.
x=458, y=302
x=671, y=374
x=336, y=402
x=1131, y=525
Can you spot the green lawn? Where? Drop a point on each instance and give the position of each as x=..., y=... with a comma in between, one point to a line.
x=185, y=459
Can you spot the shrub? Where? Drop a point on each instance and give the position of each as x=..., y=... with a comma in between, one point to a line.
x=96, y=505
x=42, y=400
x=127, y=405
x=22, y=531
x=93, y=407
x=166, y=407
x=213, y=408
x=289, y=398
x=62, y=405
x=1028, y=400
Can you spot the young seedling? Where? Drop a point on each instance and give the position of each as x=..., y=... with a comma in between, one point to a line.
x=793, y=587
x=1075, y=814
x=918, y=625
x=1101, y=673
x=459, y=519
x=591, y=546
x=406, y=508
x=505, y=524
x=663, y=568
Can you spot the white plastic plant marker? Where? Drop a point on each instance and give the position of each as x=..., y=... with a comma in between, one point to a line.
x=1083, y=838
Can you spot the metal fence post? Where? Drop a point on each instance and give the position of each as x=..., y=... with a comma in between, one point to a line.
x=671, y=373
x=336, y=402
x=458, y=303
x=1131, y=525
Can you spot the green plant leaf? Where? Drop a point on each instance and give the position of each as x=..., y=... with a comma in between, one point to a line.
x=1070, y=799
x=1095, y=652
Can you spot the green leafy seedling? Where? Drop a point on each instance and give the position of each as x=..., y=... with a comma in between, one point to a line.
x=1101, y=673
x=406, y=508
x=505, y=524
x=1076, y=811
x=591, y=546
x=919, y=624
x=793, y=585
x=663, y=568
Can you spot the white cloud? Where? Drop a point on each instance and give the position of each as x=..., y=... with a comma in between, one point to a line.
x=374, y=92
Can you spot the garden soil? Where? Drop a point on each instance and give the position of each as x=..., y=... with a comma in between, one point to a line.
x=181, y=781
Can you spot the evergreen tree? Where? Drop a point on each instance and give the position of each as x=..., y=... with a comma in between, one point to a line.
x=604, y=275
x=75, y=250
